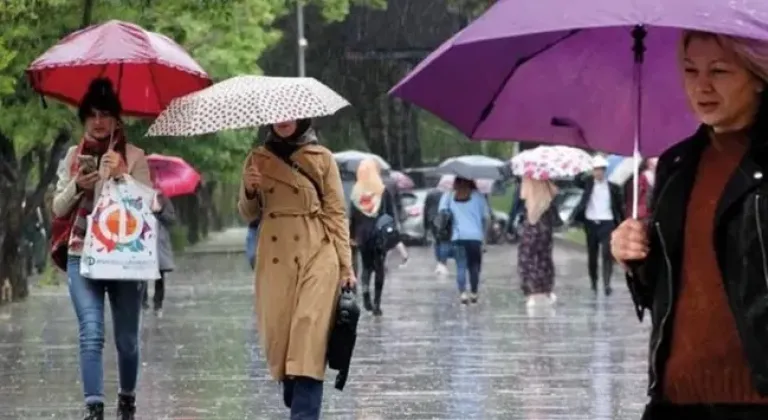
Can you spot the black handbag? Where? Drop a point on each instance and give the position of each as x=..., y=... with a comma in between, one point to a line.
x=341, y=343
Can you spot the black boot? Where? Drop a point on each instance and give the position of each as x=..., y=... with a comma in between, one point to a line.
x=594, y=284
x=126, y=407
x=377, y=301
x=367, y=301
x=94, y=411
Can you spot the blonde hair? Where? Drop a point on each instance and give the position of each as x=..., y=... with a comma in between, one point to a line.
x=538, y=197
x=752, y=52
x=369, y=177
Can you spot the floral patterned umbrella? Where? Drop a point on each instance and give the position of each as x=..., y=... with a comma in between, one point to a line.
x=551, y=162
x=247, y=102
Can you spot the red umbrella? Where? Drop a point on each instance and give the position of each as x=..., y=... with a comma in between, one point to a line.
x=172, y=175
x=147, y=69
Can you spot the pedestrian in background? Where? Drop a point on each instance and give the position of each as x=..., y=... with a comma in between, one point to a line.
x=469, y=218
x=165, y=213
x=600, y=210
x=535, y=262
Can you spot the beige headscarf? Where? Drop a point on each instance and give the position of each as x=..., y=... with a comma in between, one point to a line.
x=369, y=188
x=538, y=197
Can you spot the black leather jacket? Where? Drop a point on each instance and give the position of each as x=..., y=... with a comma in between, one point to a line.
x=741, y=236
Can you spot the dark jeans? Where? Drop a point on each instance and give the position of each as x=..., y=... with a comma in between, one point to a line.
x=159, y=296
x=88, y=298
x=443, y=251
x=666, y=411
x=599, y=242
x=373, y=264
x=469, y=258
x=304, y=396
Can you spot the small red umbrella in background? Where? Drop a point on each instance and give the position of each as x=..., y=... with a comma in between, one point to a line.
x=173, y=176
x=403, y=181
x=147, y=69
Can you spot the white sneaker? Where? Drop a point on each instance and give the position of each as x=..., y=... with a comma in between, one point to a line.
x=553, y=297
x=441, y=270
x=464, y=298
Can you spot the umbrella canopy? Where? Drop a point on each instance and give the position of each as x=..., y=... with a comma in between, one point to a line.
x=173, y=176
x=403, y=181
x=551, y=162
x=485, y=186
x=473, y=167
x=519, y=66
x=349, y=160
x=148, y=69
x=247, y=102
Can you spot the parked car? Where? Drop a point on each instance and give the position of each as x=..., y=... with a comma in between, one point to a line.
x=412, y=226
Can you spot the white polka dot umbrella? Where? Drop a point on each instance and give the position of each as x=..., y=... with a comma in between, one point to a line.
x=247, y=102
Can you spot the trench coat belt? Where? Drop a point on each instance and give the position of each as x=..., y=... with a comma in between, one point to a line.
x=313, y=214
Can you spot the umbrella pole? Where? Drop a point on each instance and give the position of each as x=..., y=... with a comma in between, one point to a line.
x=638, y=34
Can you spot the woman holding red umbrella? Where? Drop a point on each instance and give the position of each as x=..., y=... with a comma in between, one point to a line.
x=103, y=150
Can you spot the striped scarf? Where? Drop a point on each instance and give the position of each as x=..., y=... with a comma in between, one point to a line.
x=86, y=202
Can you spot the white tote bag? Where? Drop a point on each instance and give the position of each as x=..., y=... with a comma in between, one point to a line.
x=121, y=237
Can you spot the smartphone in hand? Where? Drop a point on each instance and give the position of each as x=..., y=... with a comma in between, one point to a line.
x=87, y=163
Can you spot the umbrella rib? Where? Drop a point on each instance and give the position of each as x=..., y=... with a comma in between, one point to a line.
x=154, y=83
x=488, y=108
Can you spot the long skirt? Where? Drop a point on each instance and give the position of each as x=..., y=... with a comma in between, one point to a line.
x=535, y=263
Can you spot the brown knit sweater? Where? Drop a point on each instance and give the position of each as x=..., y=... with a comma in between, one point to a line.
x=707, y=363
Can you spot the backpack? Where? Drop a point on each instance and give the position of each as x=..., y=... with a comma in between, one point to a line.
x=385, y=233
x=442, y=224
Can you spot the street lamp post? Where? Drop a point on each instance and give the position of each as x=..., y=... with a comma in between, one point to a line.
x=302, y=42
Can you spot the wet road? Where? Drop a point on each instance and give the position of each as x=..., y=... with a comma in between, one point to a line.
x=427, y=358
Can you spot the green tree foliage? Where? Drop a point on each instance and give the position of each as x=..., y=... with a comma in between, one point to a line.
x=225, y=36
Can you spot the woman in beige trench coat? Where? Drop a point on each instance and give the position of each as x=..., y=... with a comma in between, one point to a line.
x=303, y=257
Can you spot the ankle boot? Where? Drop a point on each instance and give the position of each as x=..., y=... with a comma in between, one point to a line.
x=94, y=411
x=377, y=303
x=126, y=407
x=367, y=301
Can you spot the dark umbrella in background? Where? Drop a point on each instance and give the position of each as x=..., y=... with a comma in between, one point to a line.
x=473, y=167
x=147, y=69
x=349, y=160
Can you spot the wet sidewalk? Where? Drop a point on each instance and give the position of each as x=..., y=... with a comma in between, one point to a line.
x=426, y=358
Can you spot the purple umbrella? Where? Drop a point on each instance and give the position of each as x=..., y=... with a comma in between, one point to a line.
x=575, y=73
x=525, y=65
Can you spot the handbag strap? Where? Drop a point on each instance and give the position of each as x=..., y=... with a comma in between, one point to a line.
x=296, y=168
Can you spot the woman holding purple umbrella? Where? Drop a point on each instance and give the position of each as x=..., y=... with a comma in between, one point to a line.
x=700, y=263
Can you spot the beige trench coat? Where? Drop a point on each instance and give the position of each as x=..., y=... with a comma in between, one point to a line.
x=302, y=252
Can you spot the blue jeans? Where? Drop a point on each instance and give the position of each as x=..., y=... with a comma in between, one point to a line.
x=443, y=251
x=469, y=259
x=88, y=300
x=251, y=239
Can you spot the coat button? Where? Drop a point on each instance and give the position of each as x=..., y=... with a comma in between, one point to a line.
x=295, y=190
x=758, y=175
x=275, y=260
x=271, y=190
x=296, y=238
x=296, y=260
x=274, y=239
x=272, y=215
x=326, y=240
